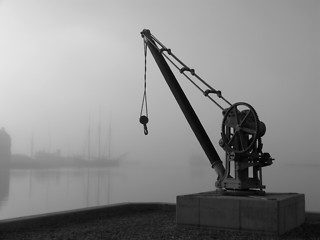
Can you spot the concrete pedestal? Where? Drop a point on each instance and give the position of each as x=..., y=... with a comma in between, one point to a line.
x=274, y=213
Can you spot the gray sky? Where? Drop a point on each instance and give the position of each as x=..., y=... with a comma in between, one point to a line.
x=62, y=62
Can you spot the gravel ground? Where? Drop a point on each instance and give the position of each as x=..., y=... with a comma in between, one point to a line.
x=147, y=224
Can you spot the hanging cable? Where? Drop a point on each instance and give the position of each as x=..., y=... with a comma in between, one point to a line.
x=144, y=118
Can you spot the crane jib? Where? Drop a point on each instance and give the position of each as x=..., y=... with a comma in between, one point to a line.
x=185, y=105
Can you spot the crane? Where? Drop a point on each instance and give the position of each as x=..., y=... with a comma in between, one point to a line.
x=241, y=130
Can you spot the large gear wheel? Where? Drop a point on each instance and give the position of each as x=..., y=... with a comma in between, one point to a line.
x=240, y=128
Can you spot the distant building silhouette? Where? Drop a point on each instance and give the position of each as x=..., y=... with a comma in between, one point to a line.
x=5, y=146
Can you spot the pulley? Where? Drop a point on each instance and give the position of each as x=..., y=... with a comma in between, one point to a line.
x=240, y=128
x=144, y=120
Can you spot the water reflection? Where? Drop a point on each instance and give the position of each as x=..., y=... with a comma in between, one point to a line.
x=35, y=191
x=4, y=185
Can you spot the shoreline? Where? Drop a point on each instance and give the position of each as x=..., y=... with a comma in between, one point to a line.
x=112, y=209
x=140, y=220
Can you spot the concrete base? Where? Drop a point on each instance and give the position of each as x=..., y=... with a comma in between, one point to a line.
x=274, y=213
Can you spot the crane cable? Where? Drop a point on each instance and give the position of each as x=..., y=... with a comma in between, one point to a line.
x=144, y=118
x=192, y=72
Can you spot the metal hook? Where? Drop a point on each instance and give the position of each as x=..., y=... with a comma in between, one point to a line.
x=144, y=120
x=145, y=129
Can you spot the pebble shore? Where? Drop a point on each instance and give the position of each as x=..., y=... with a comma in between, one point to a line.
x=133, y=223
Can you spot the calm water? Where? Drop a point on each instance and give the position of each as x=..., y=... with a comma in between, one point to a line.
x=29, y=192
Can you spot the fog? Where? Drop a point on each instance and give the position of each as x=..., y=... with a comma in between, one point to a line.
x=67, y=66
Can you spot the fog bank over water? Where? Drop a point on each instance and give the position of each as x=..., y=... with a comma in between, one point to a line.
x=67, y=66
